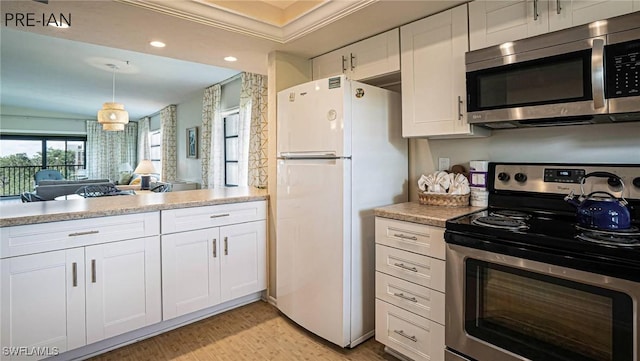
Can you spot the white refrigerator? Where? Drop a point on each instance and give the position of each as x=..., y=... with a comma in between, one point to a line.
x=340, y=155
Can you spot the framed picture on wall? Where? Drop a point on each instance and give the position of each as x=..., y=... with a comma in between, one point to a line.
x=192, y=142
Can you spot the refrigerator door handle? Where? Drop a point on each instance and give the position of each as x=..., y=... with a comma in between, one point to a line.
x=308, y=155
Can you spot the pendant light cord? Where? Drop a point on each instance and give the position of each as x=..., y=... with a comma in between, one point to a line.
x=113, y=89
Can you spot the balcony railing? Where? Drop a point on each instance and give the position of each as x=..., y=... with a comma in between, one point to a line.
x=18, y=179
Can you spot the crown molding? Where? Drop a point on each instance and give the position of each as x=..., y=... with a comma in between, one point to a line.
x=210, y=14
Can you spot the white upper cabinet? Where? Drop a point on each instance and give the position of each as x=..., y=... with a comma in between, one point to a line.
x=493, y=22
x=433, y=75
x=369, y=58
x=567, y=13
x=496, y=22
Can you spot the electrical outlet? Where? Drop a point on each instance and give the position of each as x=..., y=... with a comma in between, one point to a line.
x=443, y=163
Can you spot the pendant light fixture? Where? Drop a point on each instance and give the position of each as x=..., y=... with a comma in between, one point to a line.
x=112, y=116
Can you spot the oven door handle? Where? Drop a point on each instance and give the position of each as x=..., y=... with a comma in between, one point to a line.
x=597, y=73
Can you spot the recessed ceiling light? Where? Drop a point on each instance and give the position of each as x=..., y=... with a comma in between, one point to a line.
x=157, y=44
x=230, y=58
x=59, y=25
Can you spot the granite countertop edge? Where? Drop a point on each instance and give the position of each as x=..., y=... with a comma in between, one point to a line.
x=423, y=214
x=109, y=206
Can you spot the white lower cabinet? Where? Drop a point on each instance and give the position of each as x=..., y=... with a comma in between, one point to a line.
x=42, y=303
x=413, y=336
x=122, y=287
x=65, y=299
x=410, y=280
x=206, y=267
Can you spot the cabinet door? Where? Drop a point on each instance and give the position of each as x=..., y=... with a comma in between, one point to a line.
x=493, y=22
x=190, y=271
x=42, y=298
x=567, y=13
x=330, y=64
x=123, y=287
x=433, y=75
x=375, y=56
x=243, y=264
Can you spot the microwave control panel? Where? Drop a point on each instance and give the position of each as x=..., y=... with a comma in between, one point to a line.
x=623, y=69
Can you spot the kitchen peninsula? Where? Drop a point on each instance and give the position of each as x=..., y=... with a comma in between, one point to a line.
x=80, y=277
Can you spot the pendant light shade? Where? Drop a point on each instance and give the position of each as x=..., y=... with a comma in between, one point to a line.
x=112, y=116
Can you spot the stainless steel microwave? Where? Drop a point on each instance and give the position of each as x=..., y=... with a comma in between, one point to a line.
x=586, y=74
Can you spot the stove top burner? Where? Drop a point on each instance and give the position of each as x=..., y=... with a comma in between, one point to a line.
x=501, y=222
x=609, y=239
x=508, y=213
x=628, y=232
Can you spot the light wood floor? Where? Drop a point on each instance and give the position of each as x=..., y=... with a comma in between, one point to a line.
x=257, y=331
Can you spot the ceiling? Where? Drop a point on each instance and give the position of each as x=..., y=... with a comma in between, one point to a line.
x=65, y=69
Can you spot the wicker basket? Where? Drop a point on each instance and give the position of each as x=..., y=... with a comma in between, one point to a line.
x=443, y=199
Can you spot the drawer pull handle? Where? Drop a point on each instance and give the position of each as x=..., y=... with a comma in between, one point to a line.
x=401, y=333
x=220, y=215
x=403, y=236
x=402, y=265
x=215, y=248
x=93, y=271
x=83, y=233
x=74, y=273
x=401, y=295
x=226, y=246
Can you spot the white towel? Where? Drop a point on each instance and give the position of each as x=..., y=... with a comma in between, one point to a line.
x=459, y=184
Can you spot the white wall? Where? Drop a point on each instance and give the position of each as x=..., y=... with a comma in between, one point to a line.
x=598, y=143
x=189, y=113
x=15, y=120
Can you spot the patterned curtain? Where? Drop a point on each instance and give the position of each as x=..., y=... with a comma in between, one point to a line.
x=253, y=134
x=144, y=148
x=212, y=148
x=168, y=120
x=106, y=150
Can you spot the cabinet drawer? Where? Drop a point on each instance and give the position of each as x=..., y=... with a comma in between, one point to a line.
x=43, y=237
x=423, y=270
x=413, y=237
x=188, y=219
x=409, y=334
x=420, y=300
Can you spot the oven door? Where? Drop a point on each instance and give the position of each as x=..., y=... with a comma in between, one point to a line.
x=559, y=81
x=507, y=308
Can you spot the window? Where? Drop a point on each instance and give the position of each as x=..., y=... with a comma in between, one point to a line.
x=155, y=142
x=231, y=149
x=22, y=156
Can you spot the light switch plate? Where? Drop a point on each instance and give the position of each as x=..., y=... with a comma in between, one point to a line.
x=443, y=163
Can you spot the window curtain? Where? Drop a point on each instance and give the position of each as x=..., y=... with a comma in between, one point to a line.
x=168, y=120
x=212, y=148
x=253, y=135
x=144, y=148
x=106, y=150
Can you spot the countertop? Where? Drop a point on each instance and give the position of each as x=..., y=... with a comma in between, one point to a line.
x=423, y=214
x=53, y=211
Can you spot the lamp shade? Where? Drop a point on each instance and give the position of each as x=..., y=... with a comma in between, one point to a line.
x=145, y=167
x=112, y=116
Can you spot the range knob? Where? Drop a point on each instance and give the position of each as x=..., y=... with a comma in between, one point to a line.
x=636, y=182
x=614, y=182
x=520, y=177
x=503, y=176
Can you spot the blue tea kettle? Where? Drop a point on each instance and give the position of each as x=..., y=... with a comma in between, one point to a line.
x=601, y=210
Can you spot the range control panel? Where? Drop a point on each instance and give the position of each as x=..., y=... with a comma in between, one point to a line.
x=564, y=175
x=565, y=178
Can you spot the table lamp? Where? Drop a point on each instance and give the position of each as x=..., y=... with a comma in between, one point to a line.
x=145, y=168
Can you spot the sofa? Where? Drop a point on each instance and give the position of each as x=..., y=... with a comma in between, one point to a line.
x=50, y=189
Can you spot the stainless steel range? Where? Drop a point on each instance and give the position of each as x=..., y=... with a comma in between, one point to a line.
x=529, y=280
